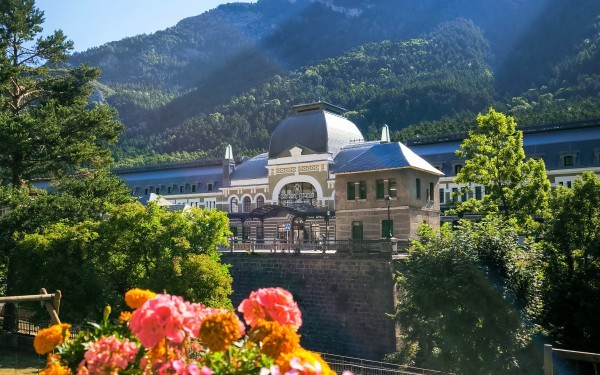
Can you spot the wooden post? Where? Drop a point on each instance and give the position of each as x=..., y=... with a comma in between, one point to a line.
x=548, y=365
x=51, y=305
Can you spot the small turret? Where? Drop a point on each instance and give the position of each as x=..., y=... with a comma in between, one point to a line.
x=385, y=134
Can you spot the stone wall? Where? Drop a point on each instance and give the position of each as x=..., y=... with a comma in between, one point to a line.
x=344, y=300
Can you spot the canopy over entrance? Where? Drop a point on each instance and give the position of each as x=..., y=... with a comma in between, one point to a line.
x=303, y=210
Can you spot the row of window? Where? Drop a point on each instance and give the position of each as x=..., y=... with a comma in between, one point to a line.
x=180, y=189
x=246, y=204
x=449, y=197
x=380, y=189
x=387, y=229
x=566, y=160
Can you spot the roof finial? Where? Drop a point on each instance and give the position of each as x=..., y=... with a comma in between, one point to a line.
x=385, y=134
x=228, y=153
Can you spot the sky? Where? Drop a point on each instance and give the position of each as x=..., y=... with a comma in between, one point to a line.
x=91, y=23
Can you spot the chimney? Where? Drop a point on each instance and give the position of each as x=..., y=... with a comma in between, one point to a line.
x=228, y=166
x=385, y=134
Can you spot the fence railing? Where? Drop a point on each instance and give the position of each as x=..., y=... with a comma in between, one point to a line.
x=551, y=353
x=359, y=366
x=337, y=246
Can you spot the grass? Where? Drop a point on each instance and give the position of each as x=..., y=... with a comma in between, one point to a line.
x=20, y=362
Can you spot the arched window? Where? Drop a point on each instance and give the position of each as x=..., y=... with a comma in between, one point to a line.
x=234, y=205
x=260, y=201
x=247, y=203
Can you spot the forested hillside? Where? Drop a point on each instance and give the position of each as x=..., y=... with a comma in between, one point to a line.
x=230, y=74
x=440, y=74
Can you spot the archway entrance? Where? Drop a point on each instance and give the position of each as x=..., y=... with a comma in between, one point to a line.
x=298, y=193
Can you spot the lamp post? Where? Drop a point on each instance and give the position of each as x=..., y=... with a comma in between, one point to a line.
x=389, y=222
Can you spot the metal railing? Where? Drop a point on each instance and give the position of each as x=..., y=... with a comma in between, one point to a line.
x=359, y=366
x=351, y=247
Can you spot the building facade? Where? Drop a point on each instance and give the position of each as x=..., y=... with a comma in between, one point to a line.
x=320, y=179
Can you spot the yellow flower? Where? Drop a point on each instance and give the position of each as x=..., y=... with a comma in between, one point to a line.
x=125, y=316
x=276, y=339
x=220, y=329
x=47, y=339
x=304, y=362
x=135, y=298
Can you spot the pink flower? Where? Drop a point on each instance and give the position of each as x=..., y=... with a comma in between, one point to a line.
x=274, y=304
x=108, y=355
x=180, y=368
x=166, y=316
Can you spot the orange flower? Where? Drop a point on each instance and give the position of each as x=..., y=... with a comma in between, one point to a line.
x=304, y=362
x=125, y=316
x=53, y=367
x=276, y=339
x=47, y=339
x=135, y=298
x=220, y=329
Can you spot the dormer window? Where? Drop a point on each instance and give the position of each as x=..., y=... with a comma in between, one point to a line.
x=194, y=188
x=457, y=168
x=568, y=160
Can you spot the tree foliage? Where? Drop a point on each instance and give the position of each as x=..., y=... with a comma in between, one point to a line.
x=95, y=261
x=467, y=300
x=572, y=291
x=45, y=121
x=515, y=187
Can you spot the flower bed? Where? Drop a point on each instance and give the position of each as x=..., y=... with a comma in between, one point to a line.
x=164, y=334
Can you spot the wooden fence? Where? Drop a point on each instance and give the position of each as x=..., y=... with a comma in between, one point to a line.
x=551, y=353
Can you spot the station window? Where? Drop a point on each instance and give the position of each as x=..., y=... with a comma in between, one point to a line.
x=387, y=228
x=362, y=185
x=457, y=168
x=357, y=230
x=478, y=194
x=351, y=191
x=568, y=160
x=247, y=204
x=392, y=188
x=418, y=187
x=431, y=187
x=234, y=205
x=379, y=189
x=260, y=201
x=442, y=195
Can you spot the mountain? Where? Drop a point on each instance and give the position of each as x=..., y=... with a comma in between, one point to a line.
x=164, y=82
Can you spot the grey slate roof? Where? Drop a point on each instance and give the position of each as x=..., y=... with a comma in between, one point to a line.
x=251, y=169
x=318, y=127
x=379, y=156
x=548, y=143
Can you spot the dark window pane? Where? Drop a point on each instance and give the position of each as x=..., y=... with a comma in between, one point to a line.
x=380, y=189
x=351, y=191
x=363, y=190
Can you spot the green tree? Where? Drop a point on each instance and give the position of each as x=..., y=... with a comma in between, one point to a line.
x=467, y=299
x=95, y=261
x=47, y=126
x=572, y=290
x=46, y=123
x=515, y=187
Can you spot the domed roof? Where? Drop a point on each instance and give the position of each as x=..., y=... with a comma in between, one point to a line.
x=317, y=128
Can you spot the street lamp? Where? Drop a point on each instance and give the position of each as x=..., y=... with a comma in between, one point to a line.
x=389, y=222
